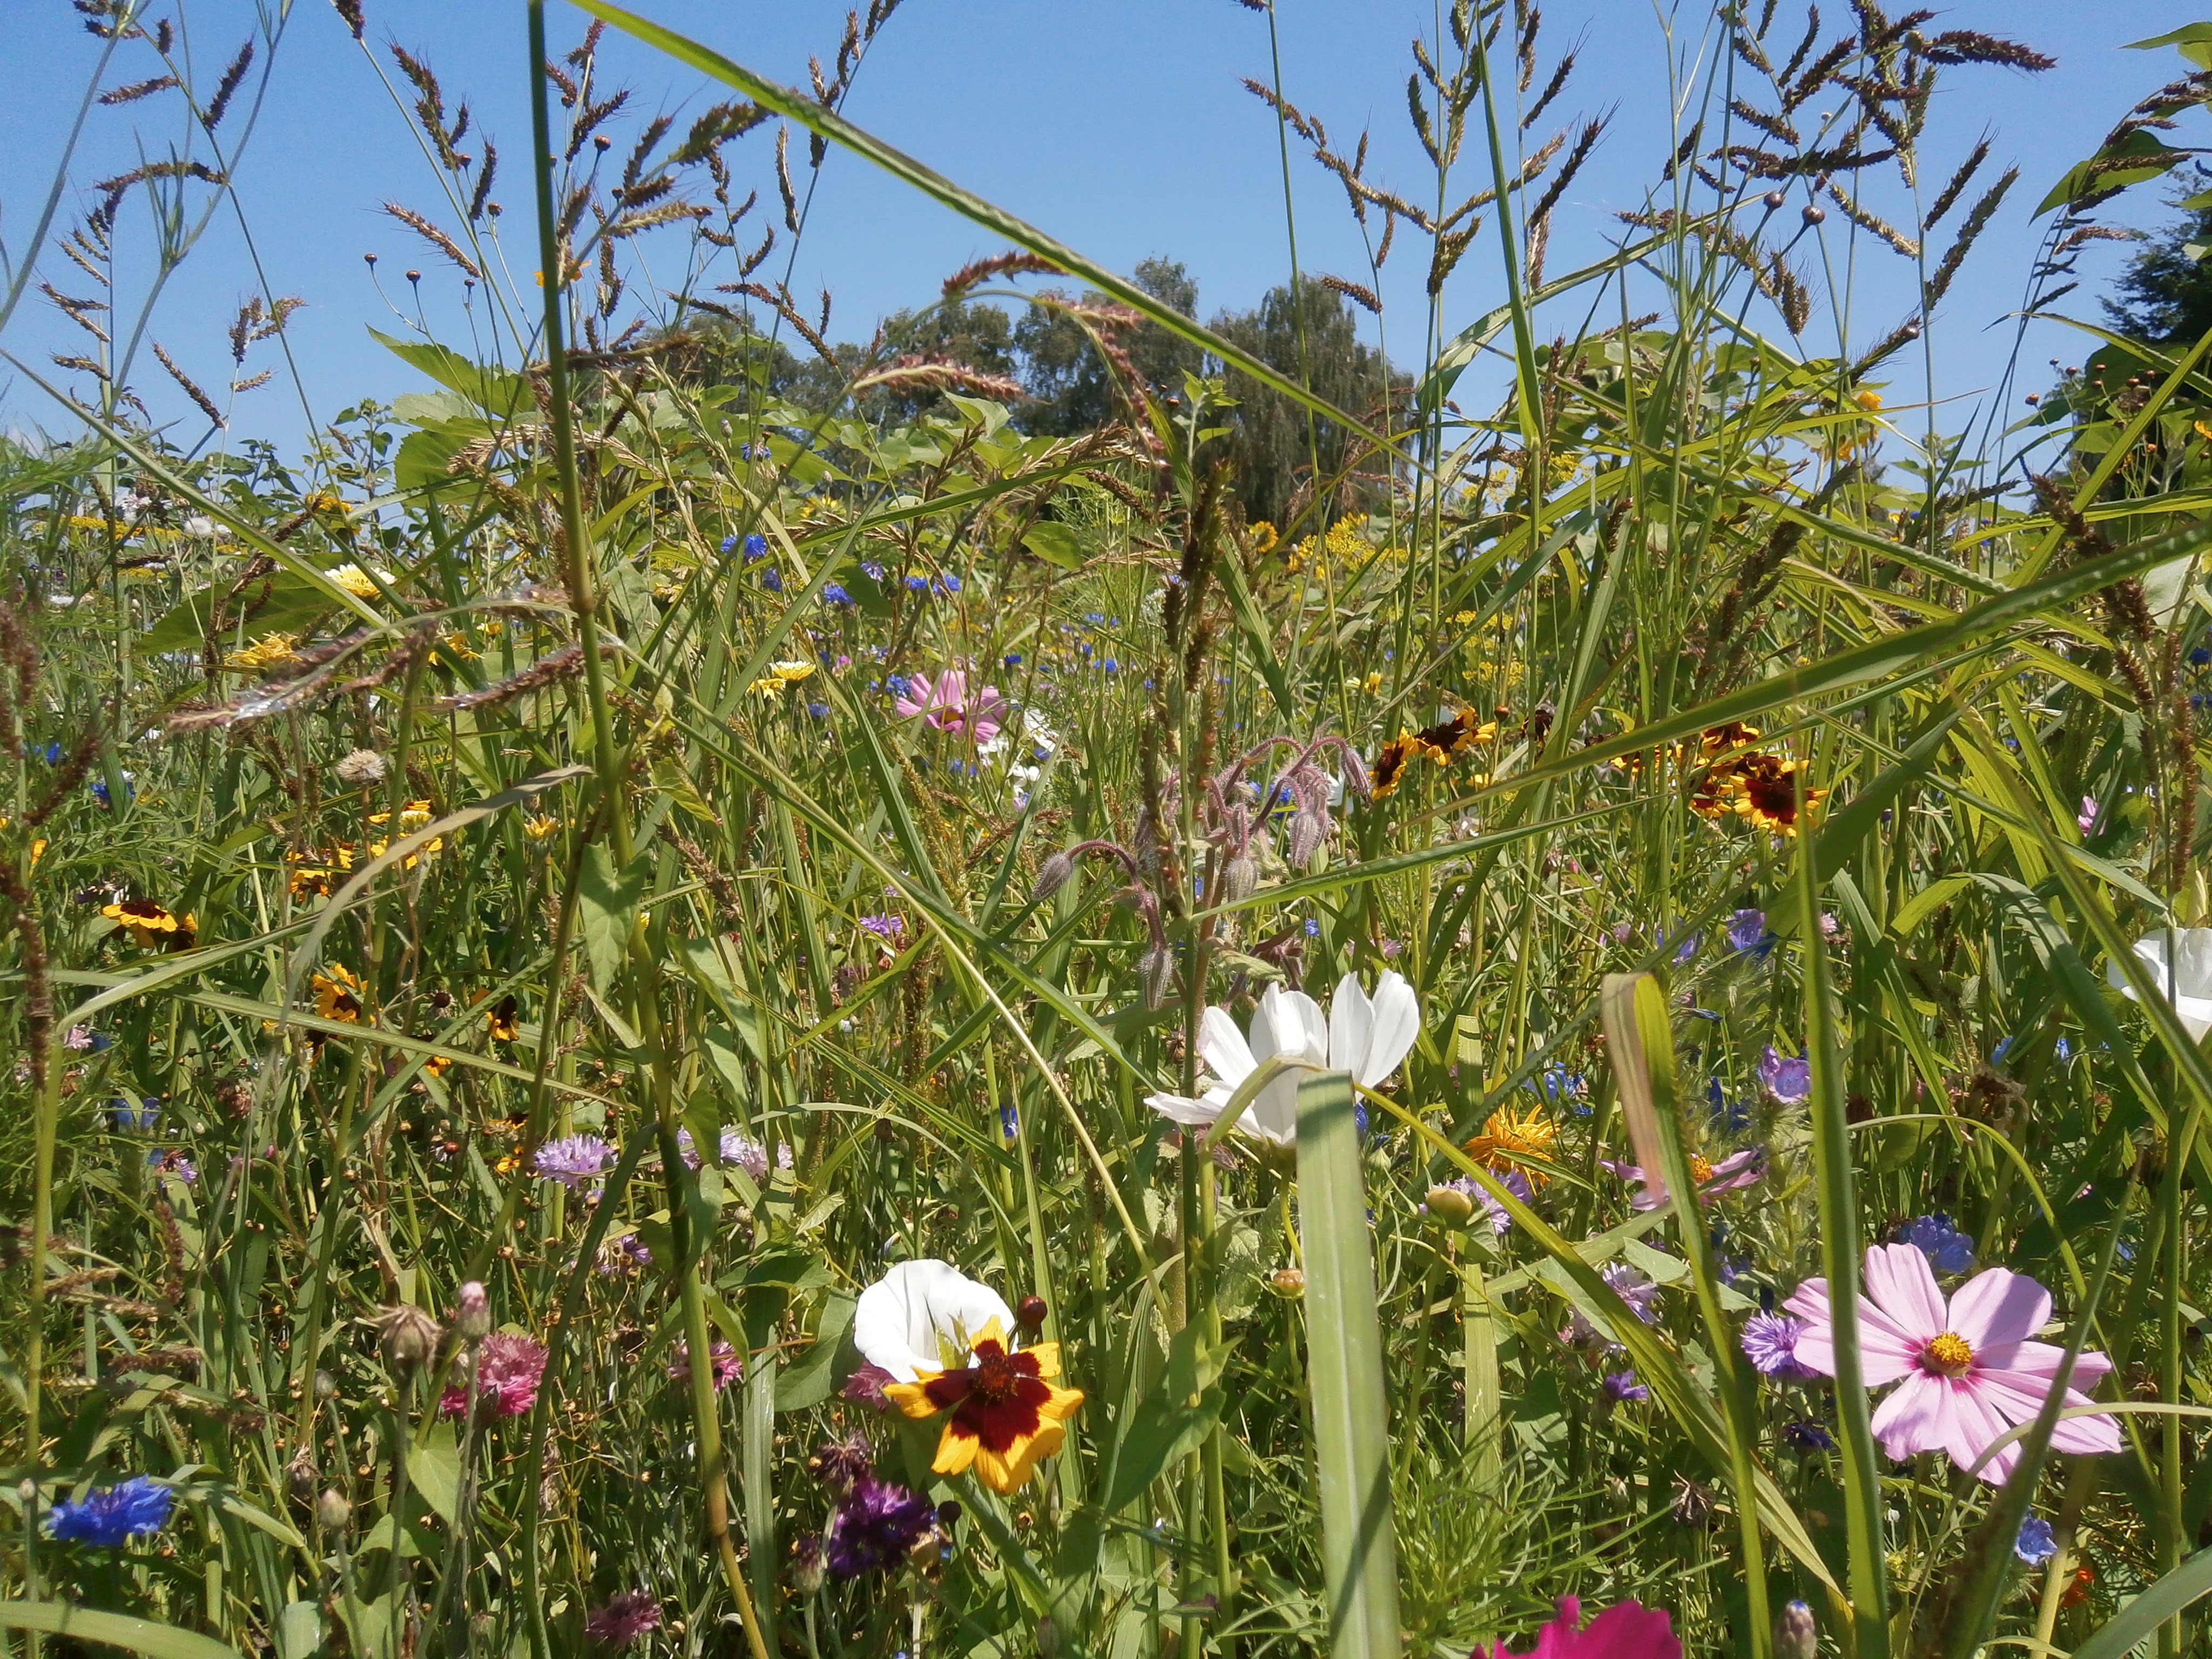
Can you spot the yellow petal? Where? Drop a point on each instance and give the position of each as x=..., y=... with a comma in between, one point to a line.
x=955, y=1452
x=1063, y=1404
x=1046, y=1355
x=912, y=1398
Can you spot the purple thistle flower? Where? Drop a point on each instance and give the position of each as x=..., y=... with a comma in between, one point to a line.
x=1769, y=1342
x=625, y=1619
x=114, y=1516
x=573, y=1160
x=1788, y=1079
x=865, y=1387
x=876, y=1526
x=841, y=1465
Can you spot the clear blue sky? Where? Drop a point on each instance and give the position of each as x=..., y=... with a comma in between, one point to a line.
x=1120, y=128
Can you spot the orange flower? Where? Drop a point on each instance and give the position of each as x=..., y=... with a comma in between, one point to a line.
x=1507, y=1139
x=1006, y=1413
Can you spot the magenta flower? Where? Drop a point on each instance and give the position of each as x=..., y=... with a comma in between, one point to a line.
x=508, y=1369
x=1628, y=1629
x=729, y=1364
x=947, y=704
x=1735, y=1172
x=1968, y=1370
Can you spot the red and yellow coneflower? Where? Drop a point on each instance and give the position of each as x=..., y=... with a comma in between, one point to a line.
x=150, y=924
x=339, y=995
x=1006, y=1413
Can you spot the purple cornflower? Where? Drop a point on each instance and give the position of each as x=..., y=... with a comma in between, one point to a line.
x=1810, y=1438
x=875, y=1525
x=729, y=1364
x=1769, y=1342
x=573, y=1160
x=1632, y=1287
x=624, y=1619
x=884, y=926
x=1748, y=931
x=865, y=1387
x=841, y=1465
x=1514, y=1182
x=627, y=1251
x=1621, y=1387
x=114, y=1516
x=1788, y=1079
x=2036, y=1542
x=1948, y=1249
x=834, y=593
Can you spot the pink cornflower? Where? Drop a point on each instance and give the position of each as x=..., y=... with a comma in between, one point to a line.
x=508, y=1369
x=1735, y=1172
x=1968, y=1370
x=1627, y=1629
x=946, y=704
x=728, y=1364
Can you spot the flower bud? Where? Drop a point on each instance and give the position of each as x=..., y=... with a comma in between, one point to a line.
x=1813, y=213
x=1450, y=1206
x=1289, y=1283
x=332, y=1512
x=1774, y=200
x=407, y=1336
x=472, y=1313
x=1048, y=1637
x=326, y=1385
x=808, y=1567
x=1796, y=1632
x=1029, y=1314
x=1307, y=831
x=1052, y=877
x=1239, y=879
x=1156, y=969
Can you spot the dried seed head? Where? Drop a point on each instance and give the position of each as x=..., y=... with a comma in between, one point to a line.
x=1774, y=200
x=407, y=1335
x=332, y=1512
x=361, y=768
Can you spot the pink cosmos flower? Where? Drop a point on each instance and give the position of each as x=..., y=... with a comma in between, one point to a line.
x=508, y=1369
x=1628, y=1629
x=1967, y=1369
x=1735, y=1172
x=946, y=704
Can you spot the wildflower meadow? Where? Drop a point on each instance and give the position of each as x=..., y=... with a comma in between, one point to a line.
x=1070, y=982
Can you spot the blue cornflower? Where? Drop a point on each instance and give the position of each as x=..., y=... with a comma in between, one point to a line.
x=1313, y=928
x=834, y=593
x=1111, y=665
x=949, y=582
x=100, y=790
x=1809, y=1436
x=2037, y=1543
x=1010, y=1121
x=2064, y=1050
x=2200, y=655
x=1094, y=617
x=143, y=1116
x=1997, y=1054
x=1748, y=931
x=114, y=1514
x=1013, y=659
x=1621, y=1387
x=1730, y=1117
x=819, y=710
x=1359, y=1128
x=730, y=543
x=1948, y=1249
x=916, y=584
x=755, y=547
x=49, y=752
x=871, y=570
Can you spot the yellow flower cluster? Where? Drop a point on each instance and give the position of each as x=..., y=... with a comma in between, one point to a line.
x=269, y=651
x=1344, y=549
x=781, y=677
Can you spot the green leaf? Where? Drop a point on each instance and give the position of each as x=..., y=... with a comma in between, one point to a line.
x=1344, y=1360
x=300, y=1630
x=433, y=1467
x=2139, y=1621
x=609, y=900
x=1170, y=1422
x=806, y=1382
x=115, y=1629
x=494, y=390
x=2137, y=156
x=283, y=604
x=1055, y=544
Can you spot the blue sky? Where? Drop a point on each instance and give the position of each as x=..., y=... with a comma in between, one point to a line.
x=1121, y=129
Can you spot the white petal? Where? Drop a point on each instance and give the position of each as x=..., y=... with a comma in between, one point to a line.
x=900, y=1316
x=1223, y=1048
x=1397, y=1014
x=1182, y=1108
x=1351, y=1028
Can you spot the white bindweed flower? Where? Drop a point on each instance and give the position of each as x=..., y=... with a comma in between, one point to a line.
x=2187, y=983
x=903, y=1316
x=1363, y=1035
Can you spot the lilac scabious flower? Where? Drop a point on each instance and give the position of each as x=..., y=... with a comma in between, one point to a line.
x=884, y=926
x=625, y=1619
x=1748, y=931
x=1769, y=1342
x=1621, y=1387
x=729, y=1364
x=875, y=1525
x=573, y=1160
x=2036, y=1543
x=1948, y=1249
x=1514, y=1182
x=114, y=1516
x=1632, y=1287
x=508, y=1369
x=865, y=1387
x=1788, y=1079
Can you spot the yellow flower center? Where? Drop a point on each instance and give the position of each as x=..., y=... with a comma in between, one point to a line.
x=1948, y=1355
x=1701, y=1171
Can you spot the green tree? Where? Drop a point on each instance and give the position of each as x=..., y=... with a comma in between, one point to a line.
x=1276, y=444
x=2165, y=296
x=1071, y=388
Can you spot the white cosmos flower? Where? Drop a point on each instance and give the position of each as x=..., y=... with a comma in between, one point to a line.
x=2187, y=983
x=902, y=1315
x=1363, y=1035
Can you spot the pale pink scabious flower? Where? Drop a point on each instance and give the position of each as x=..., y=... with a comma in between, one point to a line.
x=1732, y=1174
x=1627, y=1629
x=1967, y=1370
x=947, y=704
x=508, y=1369
x=2087, y=817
